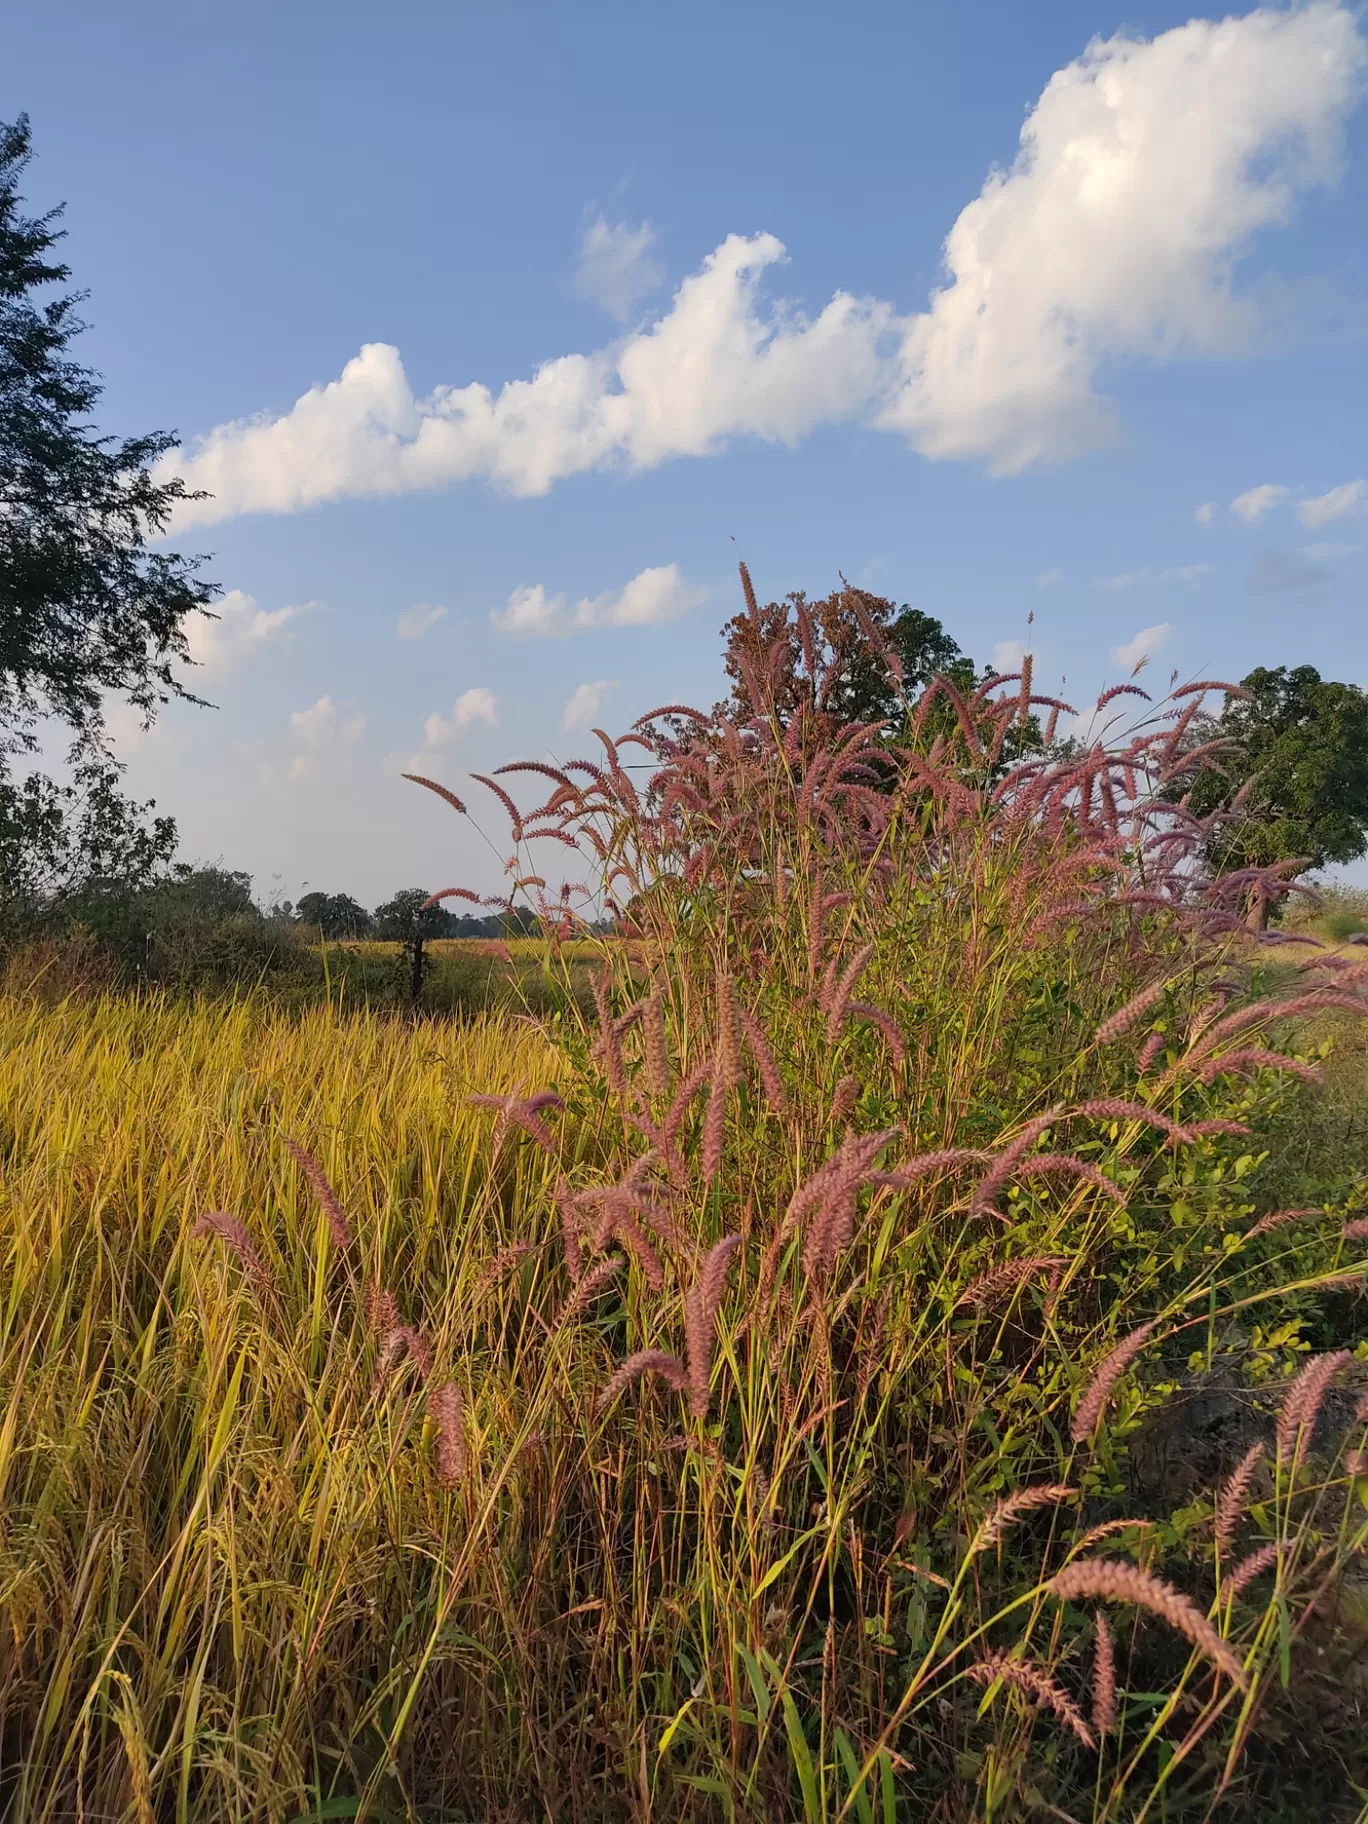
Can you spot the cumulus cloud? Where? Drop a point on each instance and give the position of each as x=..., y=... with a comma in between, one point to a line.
x=1346, y=498
x=1141, y=646
x=615, y=269
x=1145, y=168
x=651, y=597
x=413, y=623
x=588, y=700
x=1279, y=572
x=240, y=629
x=1255, y=502
x=1205, y=513
x=324, y=724
x=714, y=366
x=478, y=704
x=1132, y=579
x=1007, y=656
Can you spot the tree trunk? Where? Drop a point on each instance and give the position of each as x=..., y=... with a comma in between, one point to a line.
x=416, y=987
x=1257, y=915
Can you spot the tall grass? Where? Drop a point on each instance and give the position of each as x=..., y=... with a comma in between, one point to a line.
x=719, y=1403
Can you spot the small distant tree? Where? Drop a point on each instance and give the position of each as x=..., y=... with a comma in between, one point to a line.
x=337, y=915
x=399, y=918
x=1298, y=761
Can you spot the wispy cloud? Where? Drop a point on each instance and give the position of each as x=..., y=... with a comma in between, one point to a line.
x=651, y=598
x=1347, y=498
x=1135, y=579
x=413, y=623
x=1144, y=169
x=1142, y=645
x=1048, y=578
x=615, y=269
x=587, y=702
x=1007, y=656
x=1205, y=513
x=1255, y=502
x=1327, y=554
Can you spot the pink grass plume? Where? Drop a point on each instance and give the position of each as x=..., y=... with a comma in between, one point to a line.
x=1108, y=1373
x=446, y=1409
x=1116, y=1580
x=1301, y=1403
x=700, y=1311
x=1036, y=1684
x=323, y=1191
x=234, y=1235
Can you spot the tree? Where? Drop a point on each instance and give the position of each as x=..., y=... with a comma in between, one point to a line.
x=1298, y=760
x=851, y=630
x=400, y=918
x=853, y=657
x=335, y=914
x=65, y=849
x=85, y=607
x=209, y=892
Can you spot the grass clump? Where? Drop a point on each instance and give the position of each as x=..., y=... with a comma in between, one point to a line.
x=722, y=1399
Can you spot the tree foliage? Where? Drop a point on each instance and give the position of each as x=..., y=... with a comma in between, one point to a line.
x=64, y=848
x=86, y=608
x=1296, y=768
x=843, y=640
x=403, y=918
x=336, y=914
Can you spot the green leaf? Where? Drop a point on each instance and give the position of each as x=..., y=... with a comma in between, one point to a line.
x=802, y=1759
x=864, y=1805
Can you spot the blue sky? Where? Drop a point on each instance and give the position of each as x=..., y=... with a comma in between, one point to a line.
x=940, y=297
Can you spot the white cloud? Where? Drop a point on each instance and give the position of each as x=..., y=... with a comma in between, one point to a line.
x=1048, y=578
x=476, y=705
x=1327, y=554
x=1007, y=656
x=615, y=269
x=241, y=629
x=413, y=623
x=651, y=597
x=711, y=368
x=1141, y=646
x=1205, y=513
x=587, y=702
x=1255, y=502
x=1184, y=573
x=324, y=724
x=1334, y=505
x=1145, y=169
